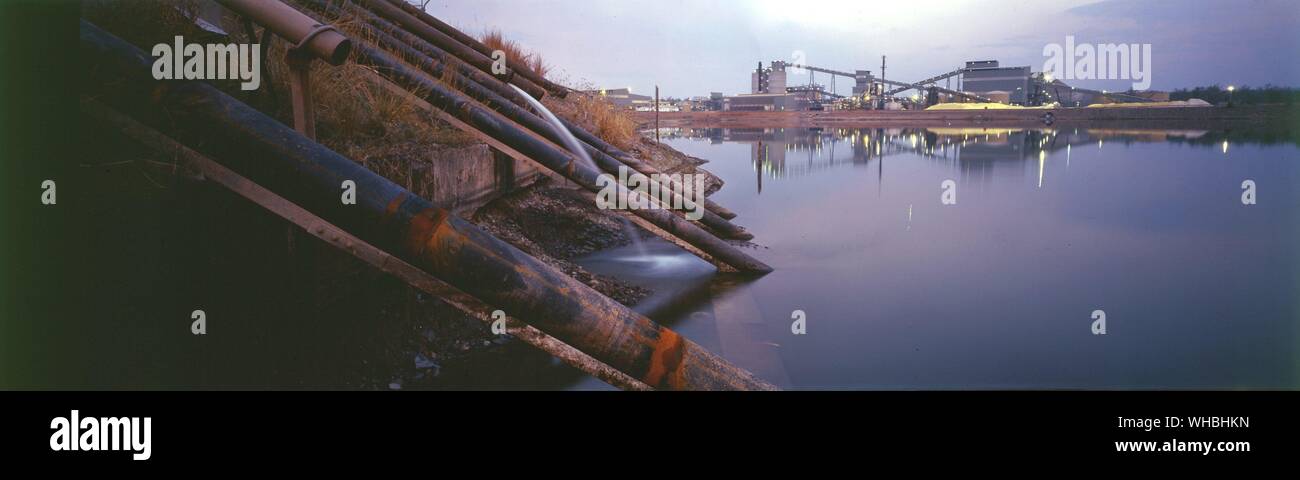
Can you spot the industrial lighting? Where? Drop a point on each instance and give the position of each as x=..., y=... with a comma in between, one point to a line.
x=1231, y=88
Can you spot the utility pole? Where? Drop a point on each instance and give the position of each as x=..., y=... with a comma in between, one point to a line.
x=882, y=81
x=656, y=114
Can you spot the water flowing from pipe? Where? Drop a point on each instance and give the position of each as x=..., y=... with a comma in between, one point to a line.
x=570, y=142
x=574, y=146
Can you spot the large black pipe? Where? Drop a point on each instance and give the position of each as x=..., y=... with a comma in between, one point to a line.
x=481, y=89
x=398, y=221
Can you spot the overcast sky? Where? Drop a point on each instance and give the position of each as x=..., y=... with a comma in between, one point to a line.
x=692, y=47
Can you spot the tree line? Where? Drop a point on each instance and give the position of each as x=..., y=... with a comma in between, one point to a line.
x=1243, y=95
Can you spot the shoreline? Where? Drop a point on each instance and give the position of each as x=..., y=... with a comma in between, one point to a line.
x=1155, y=117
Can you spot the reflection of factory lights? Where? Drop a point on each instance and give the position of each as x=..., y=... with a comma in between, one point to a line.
x=1225, y=146
x=1042, y=155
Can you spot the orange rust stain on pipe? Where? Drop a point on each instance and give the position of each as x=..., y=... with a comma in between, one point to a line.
x=422, y=225
x=392, y=206
x=666, y=361
x=441, y=231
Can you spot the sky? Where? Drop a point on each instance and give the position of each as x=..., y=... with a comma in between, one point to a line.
x=693, y=47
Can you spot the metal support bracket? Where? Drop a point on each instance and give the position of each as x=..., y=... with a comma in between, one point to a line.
x=299, y=61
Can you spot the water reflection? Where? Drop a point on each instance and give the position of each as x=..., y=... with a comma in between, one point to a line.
x=793, y=152
x=902, y=291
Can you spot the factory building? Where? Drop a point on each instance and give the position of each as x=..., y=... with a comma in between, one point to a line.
x=624, y=98
x=767, y=87
x=761, y=102
x=862, y=83
x=770, y=80
x=986, y=78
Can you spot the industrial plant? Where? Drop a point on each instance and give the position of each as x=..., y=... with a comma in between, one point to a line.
x=980, y=81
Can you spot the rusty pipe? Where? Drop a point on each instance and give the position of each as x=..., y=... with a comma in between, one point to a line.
x=291, y=25
x=396, y=220
x=329, y=233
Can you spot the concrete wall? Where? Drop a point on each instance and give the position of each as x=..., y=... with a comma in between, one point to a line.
x=462, y=179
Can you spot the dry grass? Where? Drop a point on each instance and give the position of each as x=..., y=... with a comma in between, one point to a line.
x=605, y=120
x=515, y=54
x=367, y=122
x=595, y=114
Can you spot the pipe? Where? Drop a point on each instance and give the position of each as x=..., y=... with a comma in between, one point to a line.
x=350, y=244
x=328, y=45
x=478, y=46
x=636, y=163
x=393, y=37
x=398, y=221
x=441, y=40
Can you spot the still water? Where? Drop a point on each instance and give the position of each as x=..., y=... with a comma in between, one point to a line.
x=999, y=288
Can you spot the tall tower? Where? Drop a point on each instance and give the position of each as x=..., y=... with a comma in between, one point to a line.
x=758, y=80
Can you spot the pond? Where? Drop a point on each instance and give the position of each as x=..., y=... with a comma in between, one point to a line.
x=981, y=258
